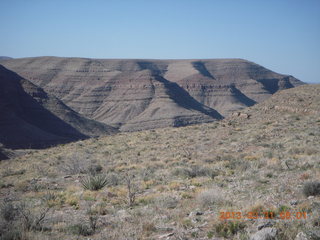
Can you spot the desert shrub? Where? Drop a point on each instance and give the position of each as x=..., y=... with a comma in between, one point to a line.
x=95, y=169
x=13, y=234
x=229, y=228
x=54, y=199
x=299, y=150
x=31, y=219
x=97, y=209
x=149, y=227
x=80, y=229
x=311, y=188
x=200, y=171
x=147, y=174
x=11, y=172
x=132, y=189
x=17, y=220
x=8, y=230
x=209, y=197
x=283, y=208
x=168, y=201
x=74, y=167
x=8, y=211
x=72, y=201
x=36, y=186
x=289, y=231
x=49, y=196
x=195, y=171
x=275, y=146
x=76, y=163
x=5, y=185
x=269, y=175
x=93, y=221
x=210, y=234
x=181, y=171
x=93, y=217
x=113, y=179
x=94, y=182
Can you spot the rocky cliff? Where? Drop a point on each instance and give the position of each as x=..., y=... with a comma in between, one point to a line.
x=142, y=94
x=30, y=117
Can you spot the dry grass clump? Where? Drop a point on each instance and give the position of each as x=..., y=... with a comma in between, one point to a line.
x=209, y=198
x=195, y=171
x=168, y=201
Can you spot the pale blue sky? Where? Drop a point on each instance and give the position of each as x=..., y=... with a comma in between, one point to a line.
x=282, y=35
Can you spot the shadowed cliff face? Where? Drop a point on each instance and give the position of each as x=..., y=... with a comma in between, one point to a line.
x=29, y=117
x=2, y=156
x=143, y=94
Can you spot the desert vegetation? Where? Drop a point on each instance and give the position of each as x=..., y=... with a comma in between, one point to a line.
x=173, y=183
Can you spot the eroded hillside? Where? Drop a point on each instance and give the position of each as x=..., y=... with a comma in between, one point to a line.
x=32, y=118
x=144, y=94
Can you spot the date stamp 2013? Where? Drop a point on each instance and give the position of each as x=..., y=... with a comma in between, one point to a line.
x=285, y=215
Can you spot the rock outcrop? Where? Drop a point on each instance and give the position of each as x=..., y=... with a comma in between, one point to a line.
x=144, y=94
x=265, y=234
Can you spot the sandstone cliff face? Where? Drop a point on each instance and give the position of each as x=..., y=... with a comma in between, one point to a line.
x=29, y=117
x=143, y=94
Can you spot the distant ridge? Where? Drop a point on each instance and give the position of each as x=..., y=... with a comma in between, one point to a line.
x=32, y=118
x=137, y=94
x=5, y=58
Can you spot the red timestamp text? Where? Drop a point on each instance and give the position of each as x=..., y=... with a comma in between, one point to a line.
x=285, y=215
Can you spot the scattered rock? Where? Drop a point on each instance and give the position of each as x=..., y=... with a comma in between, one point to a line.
x=314, y=234
x=301, y=236
x=241, y=115
x=208, y=212
x=166, y=235
x=236, y=114
x=265, y=234
x=310, y=197
x=195, y=213
x=244, y=115
x=264, y=225
x=294, y=202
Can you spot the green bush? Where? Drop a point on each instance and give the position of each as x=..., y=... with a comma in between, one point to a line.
x=229, y=228
x=95, y=182
x=80, y=229
x=283, y=208
x=12, y=234
x=311, y=188
x=8, y=211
